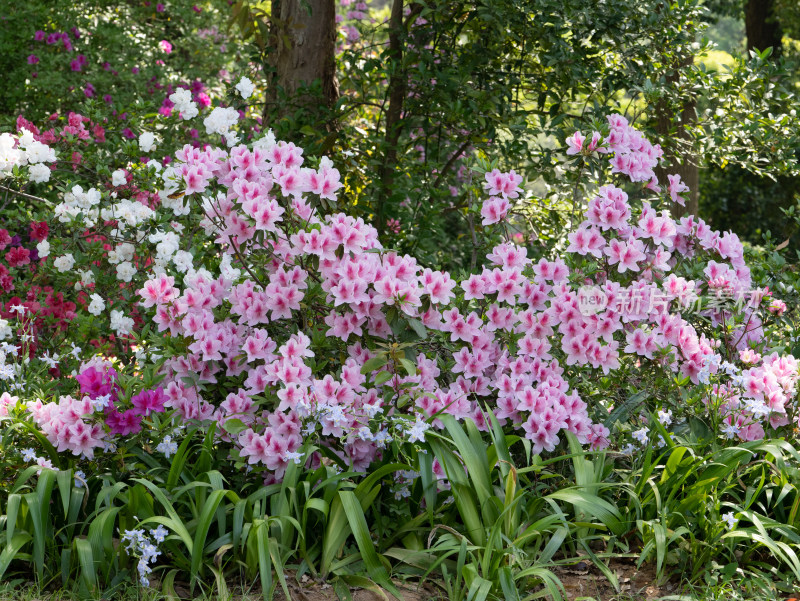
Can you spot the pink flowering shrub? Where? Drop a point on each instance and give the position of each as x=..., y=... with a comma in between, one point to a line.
x=289, y=328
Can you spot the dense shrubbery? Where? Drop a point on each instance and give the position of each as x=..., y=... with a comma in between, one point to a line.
x=214, y=369
x=300, y=344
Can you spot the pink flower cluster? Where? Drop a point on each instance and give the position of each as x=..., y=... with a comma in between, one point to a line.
x=517, y=337
x=512, y=349
x=69, y=425
x=84, y=425
x=756, y=397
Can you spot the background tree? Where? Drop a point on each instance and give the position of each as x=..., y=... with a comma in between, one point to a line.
x=431, y=91
x=301, y=56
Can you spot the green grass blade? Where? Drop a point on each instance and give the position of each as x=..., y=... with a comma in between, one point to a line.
x=83, y=548
x=207, y=514
x=12, y=548
x=358, y=525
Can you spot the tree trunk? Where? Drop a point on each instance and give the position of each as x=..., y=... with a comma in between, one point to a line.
x=681, y=163
x=303, y=41
x=762, y=28
x=397, y=94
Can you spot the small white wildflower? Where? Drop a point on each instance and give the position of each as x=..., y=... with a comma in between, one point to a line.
x=416, y=433
x=640, y=435
x=294, y=456
x=159, y=534
x=167, y=446
x=730, y=430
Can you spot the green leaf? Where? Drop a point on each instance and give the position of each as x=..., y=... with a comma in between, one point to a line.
x=358, y=524
x=418, y=327
x=86, y=559
x=625, y=409
x=234, y=426
x=373, y=364
x=409, y=366
x=12, y=548
x=383, y=377
x=203, y=525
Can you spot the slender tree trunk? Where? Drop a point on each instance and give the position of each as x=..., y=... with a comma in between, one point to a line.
x=683, y=163
x=762, y=28
x=303, y=40
x=394, y=112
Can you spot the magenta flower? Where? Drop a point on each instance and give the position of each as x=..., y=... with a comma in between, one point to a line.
x=32, y=59
x=108, y=99
x=39, y=35
x=89, y=90
x=123, y=423
x=149, y=401
x=128, y=133
x=165, y=46
x=160, y=8
x=95, y=383
x=75, y=65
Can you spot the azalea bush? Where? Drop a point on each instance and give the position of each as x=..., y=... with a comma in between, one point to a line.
x=225, y=295
x=283, y=279
x=121, y=55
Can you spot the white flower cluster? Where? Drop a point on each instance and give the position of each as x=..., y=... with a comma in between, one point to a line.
x=172, y=183
x=129, y=213
x=77, y=202
x=97, y=305
x=44, y=249
x=167, y=244
x=10, y=156
x=245, y=87
x=141, y=546
x=182, y=99
x=126, y=271
x=123, y=252
x=25, y=150
x=118, y=178
x=119, y=323
x=64, y=263
x=147, y=141
x=220, y=121
x=122, y=256
x=267, y=142
x=5, y=329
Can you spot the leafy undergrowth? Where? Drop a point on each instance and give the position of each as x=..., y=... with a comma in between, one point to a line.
x=590, y=584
